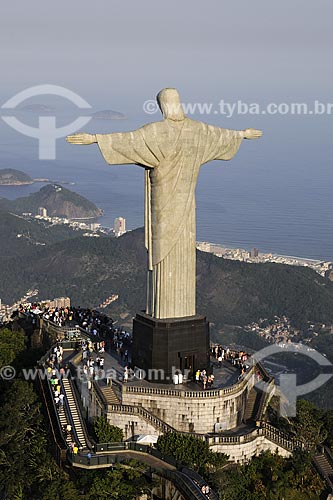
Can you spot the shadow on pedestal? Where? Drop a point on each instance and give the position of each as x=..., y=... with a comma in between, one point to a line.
x=161, y=346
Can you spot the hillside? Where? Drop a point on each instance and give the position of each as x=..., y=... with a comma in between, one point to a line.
x=59, y=202
x=20, y=237
x=12, y=177
x=228, y=292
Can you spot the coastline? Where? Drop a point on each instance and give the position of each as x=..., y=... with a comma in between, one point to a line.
x=18, y=183
x=321, y=266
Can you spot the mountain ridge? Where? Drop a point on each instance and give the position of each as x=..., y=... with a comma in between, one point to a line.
x=59, y=202
x=228, y=292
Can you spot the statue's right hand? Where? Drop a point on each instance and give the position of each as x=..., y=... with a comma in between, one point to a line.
x=251, y=133
x=81, y=138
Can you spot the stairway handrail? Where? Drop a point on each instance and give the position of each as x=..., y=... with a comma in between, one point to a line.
x=70, y=416
x=322, y=472
x=63, y=441
x=79, y=407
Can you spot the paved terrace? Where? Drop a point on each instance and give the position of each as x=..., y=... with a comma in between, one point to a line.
x=225, y=376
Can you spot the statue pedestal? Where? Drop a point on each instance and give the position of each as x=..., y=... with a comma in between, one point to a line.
x=163, y=347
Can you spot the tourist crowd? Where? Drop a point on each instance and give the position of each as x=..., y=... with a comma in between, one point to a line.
x=92, y=366
x=93, y=322
x=236, y=358
x=218, y=356
x=206, y=380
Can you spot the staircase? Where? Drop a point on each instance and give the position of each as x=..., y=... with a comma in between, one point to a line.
x=252, y=405
x=64, y=422
x=74, y=412
x=325, y=468
x=58, y=443
x=177, y=496
x=110, y=395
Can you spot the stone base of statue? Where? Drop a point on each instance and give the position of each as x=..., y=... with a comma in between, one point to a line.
x=170, y=350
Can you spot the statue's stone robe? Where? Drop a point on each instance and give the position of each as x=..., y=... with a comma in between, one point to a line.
x=172, y=153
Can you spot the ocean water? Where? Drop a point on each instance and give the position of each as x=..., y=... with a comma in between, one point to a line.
x=276, y=194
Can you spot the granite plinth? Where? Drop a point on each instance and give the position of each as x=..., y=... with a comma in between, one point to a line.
x=164, y=347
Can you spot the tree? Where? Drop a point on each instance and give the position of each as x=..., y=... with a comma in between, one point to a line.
x=270, y=476
x=122, y=483
x=20, y=431
x=309, y=425
x=107, y=433
x=11, y=344
x=60, y=490
x=191, y=451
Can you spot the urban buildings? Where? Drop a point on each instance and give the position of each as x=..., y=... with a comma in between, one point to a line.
x=42, y=212
x=58, y=302
x=119, y=226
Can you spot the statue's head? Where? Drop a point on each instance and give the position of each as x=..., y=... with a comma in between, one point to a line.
x=170, y=105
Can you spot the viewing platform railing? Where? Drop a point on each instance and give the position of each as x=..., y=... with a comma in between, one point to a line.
x=59, y=444
x=64, y=331
x=208, y=393
x=133, y=410
x=273, y=434
x=187, y=482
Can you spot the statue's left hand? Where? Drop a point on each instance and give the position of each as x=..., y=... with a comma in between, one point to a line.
x=251, y=133
x=81, y=138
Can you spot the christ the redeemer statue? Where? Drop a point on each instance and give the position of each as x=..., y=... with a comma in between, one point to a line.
x=172, y=152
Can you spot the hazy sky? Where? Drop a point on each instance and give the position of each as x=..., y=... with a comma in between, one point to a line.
x=117, y=54
x=120, y=53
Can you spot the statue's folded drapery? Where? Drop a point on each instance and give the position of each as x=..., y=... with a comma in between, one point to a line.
x=172, y=152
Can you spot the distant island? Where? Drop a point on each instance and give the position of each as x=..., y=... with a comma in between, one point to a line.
x=58, y=201
x=108, y=114
x=12, y=177
x=37, y=108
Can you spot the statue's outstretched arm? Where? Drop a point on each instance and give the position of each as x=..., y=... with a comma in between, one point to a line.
x=251, y=133
x=82, y=138
x=119, y=148
x=223, y=143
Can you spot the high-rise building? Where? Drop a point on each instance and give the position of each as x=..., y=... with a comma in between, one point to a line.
x=254, y=253
x=42, y=212
x=119, y=226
